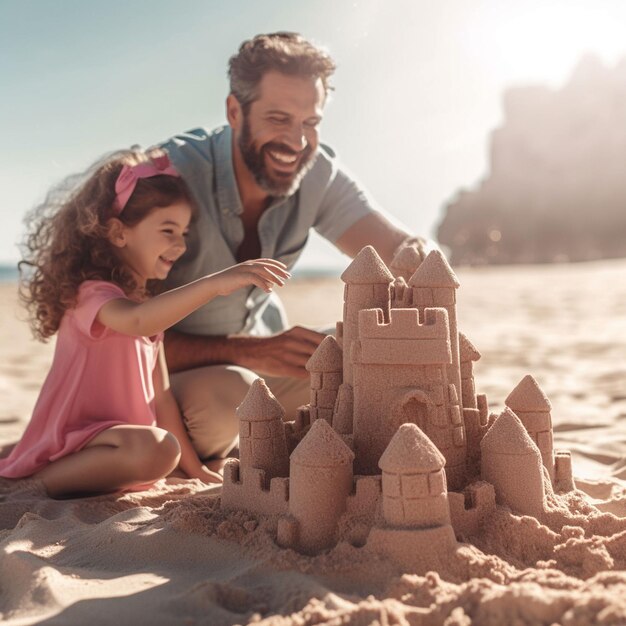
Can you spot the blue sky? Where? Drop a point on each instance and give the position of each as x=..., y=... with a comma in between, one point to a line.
x=418, y=85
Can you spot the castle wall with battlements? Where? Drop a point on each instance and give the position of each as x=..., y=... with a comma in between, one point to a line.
x=244, y=489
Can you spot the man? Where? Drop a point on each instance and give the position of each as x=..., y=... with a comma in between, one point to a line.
x=261, y=183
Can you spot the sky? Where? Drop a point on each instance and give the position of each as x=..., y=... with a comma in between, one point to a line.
x=418, y=87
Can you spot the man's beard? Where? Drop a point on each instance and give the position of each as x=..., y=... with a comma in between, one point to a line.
x=275, y=185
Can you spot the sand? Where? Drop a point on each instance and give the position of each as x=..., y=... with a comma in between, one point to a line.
x=171, y=555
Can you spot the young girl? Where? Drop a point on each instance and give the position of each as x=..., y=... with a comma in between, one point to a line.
x=106, y=419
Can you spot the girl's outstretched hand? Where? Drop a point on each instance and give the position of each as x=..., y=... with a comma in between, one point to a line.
x=262, y=273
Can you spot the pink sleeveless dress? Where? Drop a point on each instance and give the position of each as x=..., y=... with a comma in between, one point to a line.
x=99, y=378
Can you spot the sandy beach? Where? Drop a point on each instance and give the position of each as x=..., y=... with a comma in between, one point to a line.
x=172, y=556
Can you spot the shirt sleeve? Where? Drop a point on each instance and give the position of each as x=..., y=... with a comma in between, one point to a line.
x=92, y=295
x=343, y=204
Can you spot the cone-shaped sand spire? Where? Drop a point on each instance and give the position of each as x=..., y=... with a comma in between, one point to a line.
x=467, y=350
x=367, y=268
x=511, y=462
x=262, y=439
x=260, y=405
x=320, y=482
x=405, y=262
x=528, y=396
x=411, y=451
x=322, y=447
x=434, y=271
x=508, y=436
x=327, y=357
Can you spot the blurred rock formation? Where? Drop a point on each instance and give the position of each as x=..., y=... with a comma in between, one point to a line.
x=557, y=186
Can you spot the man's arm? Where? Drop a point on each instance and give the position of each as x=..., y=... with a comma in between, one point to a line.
x=282, y=354
x=375, y=230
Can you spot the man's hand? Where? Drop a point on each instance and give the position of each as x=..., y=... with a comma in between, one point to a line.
x=283, y=354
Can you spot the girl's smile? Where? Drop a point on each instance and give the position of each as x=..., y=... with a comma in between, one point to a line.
x=151, y=247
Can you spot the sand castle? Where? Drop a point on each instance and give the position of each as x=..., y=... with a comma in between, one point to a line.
x=396, y=452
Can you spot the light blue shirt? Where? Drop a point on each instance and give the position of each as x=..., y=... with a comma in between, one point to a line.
x=327, y=200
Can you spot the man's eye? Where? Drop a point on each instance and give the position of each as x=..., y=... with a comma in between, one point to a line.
x=277, y=120
x=168, y=231
x=312, y=123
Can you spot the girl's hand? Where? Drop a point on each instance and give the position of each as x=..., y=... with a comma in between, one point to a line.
x=262, y=273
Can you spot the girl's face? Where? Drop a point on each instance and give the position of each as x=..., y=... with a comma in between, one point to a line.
x=150, y=248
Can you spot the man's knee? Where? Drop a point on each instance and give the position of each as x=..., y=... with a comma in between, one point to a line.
x=208, y=398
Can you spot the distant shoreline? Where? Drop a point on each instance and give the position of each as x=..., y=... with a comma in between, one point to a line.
x=9, y=273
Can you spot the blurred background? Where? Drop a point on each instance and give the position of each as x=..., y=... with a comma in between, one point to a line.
x=498, y=127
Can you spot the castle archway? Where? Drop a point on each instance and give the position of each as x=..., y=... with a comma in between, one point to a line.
x=415, y=407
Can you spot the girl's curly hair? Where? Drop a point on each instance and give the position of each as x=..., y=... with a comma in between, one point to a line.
x=67, y=243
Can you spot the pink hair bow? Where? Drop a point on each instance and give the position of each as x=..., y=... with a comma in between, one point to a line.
x=128, y=177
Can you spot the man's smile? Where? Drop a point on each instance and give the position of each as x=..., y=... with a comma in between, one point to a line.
x=284, y=159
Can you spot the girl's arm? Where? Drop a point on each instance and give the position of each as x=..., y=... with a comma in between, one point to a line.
x=163, y=311
x=170, y=419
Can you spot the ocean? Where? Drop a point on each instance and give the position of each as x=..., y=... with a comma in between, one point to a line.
x=8, y=273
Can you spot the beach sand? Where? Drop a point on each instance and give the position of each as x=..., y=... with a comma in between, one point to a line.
x=171, y=556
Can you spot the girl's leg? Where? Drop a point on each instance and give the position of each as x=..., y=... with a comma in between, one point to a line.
x=117, y=458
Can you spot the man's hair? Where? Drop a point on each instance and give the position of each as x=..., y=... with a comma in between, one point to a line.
x=284, y=52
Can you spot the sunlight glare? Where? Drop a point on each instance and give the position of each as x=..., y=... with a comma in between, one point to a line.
x=544, y=41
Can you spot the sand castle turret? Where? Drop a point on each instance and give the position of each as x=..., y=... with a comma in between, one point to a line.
x=511, y=462
x=415, y=494
x=417, y=532
x=468, y=354
x=434, y=284
x=325, y=367
x=320, y=481
x=262, y=440
x=475, y=410
x=405, y=262
x=367, y=286
x=533, y=408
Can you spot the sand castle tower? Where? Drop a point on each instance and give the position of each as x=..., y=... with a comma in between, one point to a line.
x=415, y=494
x=468, y=354
x=533, y=408
x=434, y=284
x=417, y=532
x=325, y=367
x=262, y=441
x=320, y=482
x=367, y=282
x=511, y=462
x=475, y=411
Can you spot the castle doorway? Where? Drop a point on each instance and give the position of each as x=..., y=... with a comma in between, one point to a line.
x=415, y=408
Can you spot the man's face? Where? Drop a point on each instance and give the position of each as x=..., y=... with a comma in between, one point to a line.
x=278, y=138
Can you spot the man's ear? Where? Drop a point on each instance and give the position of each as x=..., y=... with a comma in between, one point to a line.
x=116, y=232
x=234, y=114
